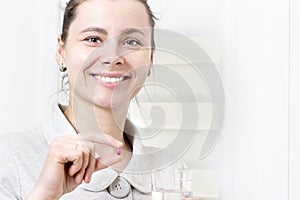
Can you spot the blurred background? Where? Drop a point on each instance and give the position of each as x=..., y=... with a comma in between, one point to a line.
x=254, y=46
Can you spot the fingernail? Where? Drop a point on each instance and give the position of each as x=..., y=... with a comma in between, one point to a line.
x=88, y=179
x=119, y=151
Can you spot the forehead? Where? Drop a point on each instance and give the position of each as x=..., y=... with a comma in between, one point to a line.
x=112, y=15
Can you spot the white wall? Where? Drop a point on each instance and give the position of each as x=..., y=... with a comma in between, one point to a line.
x=28, y=41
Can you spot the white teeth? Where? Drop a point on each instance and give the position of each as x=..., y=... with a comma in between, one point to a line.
x=108, y=79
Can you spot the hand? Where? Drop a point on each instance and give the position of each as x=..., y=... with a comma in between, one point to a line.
x=71, y=160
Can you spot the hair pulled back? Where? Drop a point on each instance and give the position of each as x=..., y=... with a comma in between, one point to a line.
x=71, y=12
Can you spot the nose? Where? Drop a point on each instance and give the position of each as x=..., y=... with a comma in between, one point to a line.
x=112, y=56
x=113, y=61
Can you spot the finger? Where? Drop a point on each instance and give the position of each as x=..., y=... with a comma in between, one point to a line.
x=100, y=138
x=107, y=160
x=74, y=156
x=85, y=161
x=91, y=166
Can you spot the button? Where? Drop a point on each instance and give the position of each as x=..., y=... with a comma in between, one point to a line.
x=120, y=188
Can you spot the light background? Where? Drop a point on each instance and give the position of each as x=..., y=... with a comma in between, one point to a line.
x=255, y=45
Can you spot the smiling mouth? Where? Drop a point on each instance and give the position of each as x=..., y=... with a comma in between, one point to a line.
x=106, y=79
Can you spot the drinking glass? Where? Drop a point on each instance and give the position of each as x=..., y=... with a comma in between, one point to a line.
x=172, y=184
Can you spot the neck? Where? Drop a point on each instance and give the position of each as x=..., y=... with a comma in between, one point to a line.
x=111, y=121
x=87, y=117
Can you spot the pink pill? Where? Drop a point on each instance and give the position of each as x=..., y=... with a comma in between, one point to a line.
x=119, y=151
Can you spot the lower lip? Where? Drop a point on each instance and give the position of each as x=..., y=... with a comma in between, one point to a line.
x=108, y=84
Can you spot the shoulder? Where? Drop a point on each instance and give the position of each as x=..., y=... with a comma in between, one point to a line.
x=21, y=157
x=9, y=176
x=23, y=141
x=20, y=146
x=23, y=145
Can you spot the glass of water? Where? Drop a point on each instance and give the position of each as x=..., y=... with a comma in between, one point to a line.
x=172, y=184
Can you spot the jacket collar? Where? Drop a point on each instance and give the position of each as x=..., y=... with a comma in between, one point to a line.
x=58, y=125
x=133, y=173
x=103, y=178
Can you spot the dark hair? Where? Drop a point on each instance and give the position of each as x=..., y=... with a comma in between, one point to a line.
x=70, y=14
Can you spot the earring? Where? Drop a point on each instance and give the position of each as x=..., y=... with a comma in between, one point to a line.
x=63, y=94
x=149, y=73
x=64, y=81
x=62, y=68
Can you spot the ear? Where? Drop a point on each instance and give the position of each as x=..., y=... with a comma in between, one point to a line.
x=60, y=51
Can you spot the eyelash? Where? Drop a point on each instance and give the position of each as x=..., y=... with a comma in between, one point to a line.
x=138, y=43
x=99, y=41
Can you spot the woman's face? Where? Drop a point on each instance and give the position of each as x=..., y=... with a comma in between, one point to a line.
x=107, y=51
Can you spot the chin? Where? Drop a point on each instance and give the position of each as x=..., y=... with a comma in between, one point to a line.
x=108, y=103
x=104, y=103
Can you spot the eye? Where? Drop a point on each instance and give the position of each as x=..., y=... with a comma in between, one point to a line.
x=132, y=42
x=93, y=41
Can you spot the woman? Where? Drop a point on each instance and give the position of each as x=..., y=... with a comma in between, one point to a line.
x=106, y=50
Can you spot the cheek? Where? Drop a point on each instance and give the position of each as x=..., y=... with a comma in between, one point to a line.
x=74, y=61
x=141, y=70
x=75, y=56
x=140, y=59
x=140, y=63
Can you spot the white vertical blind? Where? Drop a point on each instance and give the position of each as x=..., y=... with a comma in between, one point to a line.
x=294, y=102
x=261, y=100
x=227, y=68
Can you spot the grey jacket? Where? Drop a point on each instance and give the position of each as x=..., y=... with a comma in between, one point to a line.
x=23, y=154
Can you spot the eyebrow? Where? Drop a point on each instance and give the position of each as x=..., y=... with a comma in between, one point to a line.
x=94, y=29
x=132, y=30
x=102, y=31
